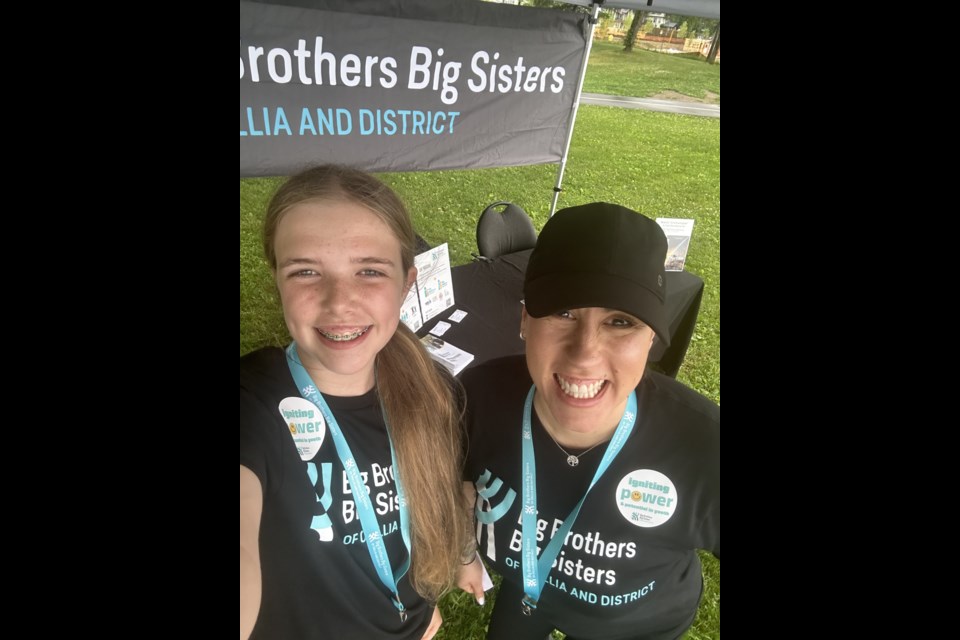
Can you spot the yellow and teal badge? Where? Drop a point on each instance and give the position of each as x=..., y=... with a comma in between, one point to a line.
x=646, y=498
x=305, y=424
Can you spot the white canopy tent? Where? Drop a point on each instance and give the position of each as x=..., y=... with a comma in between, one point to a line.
x=698, y=8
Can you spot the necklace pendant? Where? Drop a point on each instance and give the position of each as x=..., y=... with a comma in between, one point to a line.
x=528, y=605
x=401, y=610
x=573, y=460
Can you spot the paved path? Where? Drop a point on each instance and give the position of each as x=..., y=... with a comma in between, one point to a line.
x=669, y=106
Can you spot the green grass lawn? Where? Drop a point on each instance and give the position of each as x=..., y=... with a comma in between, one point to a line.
x=641, y=74
x=670, y=168
x=663, y=165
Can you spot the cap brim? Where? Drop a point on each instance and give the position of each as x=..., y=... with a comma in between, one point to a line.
x=551, y=293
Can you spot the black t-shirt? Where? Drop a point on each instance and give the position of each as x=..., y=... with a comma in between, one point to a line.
x=629, y=565
x=317, y=575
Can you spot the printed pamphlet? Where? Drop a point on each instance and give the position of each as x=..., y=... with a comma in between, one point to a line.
x=678, y=232
x=410, y=314
x=434, y=281
x=433, y=293
x=453, y=358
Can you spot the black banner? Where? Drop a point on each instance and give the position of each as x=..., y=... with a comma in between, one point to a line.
x=405, y=86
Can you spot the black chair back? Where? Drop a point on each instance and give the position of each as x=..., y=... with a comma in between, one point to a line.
x=504, y=232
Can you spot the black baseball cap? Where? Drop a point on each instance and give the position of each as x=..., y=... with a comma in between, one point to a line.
x=599, y=255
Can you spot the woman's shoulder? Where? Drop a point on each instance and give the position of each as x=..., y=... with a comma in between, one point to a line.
x=678, y=399
x=502, y=373
x=263, y=365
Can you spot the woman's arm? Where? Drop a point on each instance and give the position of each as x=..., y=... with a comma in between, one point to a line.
x=251, y=507
x=470, y=575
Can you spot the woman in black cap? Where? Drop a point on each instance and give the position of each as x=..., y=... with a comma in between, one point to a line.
x=597, y=479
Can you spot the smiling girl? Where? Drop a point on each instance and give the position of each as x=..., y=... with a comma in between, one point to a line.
x=351, y=522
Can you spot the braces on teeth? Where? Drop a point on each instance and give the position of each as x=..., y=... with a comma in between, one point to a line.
x=345, y=337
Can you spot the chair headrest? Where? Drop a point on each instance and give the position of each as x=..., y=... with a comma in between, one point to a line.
x=499, y=233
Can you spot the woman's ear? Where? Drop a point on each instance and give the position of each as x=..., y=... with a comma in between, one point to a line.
x=411, y=280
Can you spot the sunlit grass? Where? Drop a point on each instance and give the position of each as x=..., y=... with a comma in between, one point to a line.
x=641, y=73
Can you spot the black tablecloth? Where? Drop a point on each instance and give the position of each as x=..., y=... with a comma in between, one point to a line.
x=490, y=293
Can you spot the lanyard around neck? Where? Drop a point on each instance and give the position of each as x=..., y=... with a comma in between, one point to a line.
x=368, y=517
x=535, y=571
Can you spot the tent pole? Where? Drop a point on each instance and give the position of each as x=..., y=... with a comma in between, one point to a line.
x=576, y=106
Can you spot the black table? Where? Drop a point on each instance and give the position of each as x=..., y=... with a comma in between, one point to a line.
x=490, y=293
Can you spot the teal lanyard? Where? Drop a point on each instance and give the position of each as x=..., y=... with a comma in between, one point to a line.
x=535, y=571
x=368, y=517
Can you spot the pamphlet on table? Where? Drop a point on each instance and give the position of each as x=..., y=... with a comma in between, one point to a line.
x=432, y=295
x=434, y=281
x=453, y=358
x=433, y=292
x=678, y=232
x=410, y=314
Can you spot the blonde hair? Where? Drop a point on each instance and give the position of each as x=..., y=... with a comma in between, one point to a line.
x=424, y=418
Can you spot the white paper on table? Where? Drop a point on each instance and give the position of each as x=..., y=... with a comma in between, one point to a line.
x=410, y=313
x=453, y=358
x=457, y=315
x=440, y=328
x=434, y=281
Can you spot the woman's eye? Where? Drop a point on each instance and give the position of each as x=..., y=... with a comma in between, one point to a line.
x=622, y=322
x=564, y=314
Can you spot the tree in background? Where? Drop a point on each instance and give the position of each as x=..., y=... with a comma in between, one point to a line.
x=699, y=28
x=696, y=27
x=715, y=46
x=630, y=38
x=647, y=25
x=553, y=4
